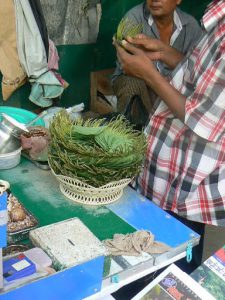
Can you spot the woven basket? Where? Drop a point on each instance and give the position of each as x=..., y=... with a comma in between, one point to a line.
x=81, y=192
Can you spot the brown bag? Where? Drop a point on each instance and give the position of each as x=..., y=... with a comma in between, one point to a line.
x=13, y=74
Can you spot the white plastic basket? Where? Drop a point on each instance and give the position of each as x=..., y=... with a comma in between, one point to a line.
x=78, y=191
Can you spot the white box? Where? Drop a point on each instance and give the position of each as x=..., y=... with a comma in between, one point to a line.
x=68, y=243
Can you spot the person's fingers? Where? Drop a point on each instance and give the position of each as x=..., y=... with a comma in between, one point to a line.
x=140, y=42
x=146, y=43
x=130, y=48
x=139, y=36
x=121, y=53
x=117, y=46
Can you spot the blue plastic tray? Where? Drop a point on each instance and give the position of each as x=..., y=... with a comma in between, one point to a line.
x=21, y=115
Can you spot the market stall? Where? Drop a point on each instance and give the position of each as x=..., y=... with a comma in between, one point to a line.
x=39, y=192
x=76, y=229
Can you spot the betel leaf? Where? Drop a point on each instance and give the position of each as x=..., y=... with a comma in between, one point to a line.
x=86, y=130
x=94, y=151
x=127, y=28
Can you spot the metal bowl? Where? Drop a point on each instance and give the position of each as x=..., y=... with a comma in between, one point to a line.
x=8, y=143
x=10, y=146
x=10, y=150
x=10, y=126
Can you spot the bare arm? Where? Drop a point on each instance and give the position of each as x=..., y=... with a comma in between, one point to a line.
x=157, y=50
x=136, y=63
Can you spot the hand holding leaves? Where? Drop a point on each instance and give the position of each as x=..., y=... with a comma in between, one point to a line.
x=127, y=28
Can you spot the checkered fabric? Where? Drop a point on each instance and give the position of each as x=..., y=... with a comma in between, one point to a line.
x=184, y=170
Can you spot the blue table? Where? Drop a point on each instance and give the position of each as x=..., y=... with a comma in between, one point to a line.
x=39, y=191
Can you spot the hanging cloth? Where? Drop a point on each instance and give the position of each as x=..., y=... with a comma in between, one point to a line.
x=31, y=49
x=13, y=74
x=40, y=20
x=53, y=63
x=53, y=57
x=45, y=86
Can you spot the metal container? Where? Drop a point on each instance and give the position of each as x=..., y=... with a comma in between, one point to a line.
x=11, y=126
x=10, y=160
x=10, y=146
x=10, y=151
x=8, y=143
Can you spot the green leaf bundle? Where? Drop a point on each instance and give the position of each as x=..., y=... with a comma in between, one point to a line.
x=94, y=151
x=127, y=28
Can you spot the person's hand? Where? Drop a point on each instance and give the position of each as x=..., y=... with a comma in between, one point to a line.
x=134, y=61
x=153, y=47
x=157, y=50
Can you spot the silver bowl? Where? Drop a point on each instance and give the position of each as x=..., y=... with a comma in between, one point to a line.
x=8, y=142
x=10, y=126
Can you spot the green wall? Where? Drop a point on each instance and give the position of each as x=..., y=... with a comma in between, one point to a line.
x=77, y=61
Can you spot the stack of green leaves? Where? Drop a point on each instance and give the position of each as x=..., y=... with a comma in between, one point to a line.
x=127, y=28
x=93, y=151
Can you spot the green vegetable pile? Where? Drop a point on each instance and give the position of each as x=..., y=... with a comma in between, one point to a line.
x=127, y=28
x=93, y=151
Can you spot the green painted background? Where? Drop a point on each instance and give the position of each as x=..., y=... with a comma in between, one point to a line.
x=77, y=61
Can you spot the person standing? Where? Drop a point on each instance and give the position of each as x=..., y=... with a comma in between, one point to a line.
x=184, y=169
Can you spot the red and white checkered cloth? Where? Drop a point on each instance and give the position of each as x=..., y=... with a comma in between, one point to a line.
x=214, y=12
x=184, y=170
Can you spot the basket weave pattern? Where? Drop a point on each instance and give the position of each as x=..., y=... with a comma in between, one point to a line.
x=81, y=192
